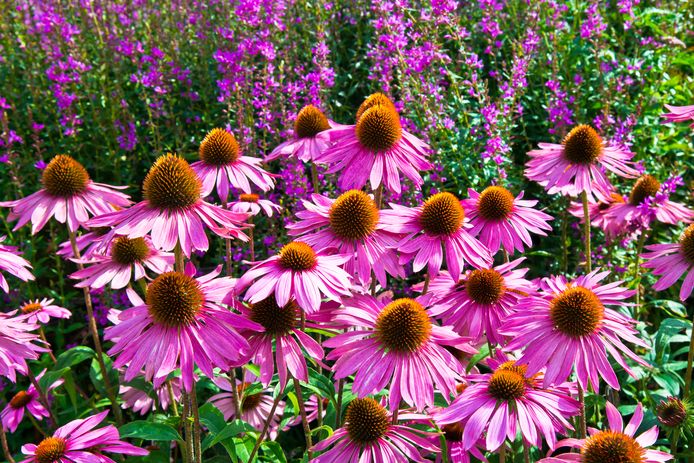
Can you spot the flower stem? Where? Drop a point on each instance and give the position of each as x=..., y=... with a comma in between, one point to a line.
x=582, y=415
x=188, y=447
x=314, y=178
x=502, y=453
x=586, y=232
x=673, y=443
x=266, y=426
x=43, y=397
x=235, y=393
x=172, y=398
x=526, y=452
x=690, y=360
x=197, y=431
x=637, y=270
x=304, y=419
x=179, y=262
x=338, y=408
x=95, y=336
x=5, y=447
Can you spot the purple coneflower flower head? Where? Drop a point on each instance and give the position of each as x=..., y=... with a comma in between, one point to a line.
x=500, y=219
x=478, y=304
x=281, y=325
x=42, y=311
x=671, y=261
x=370, y=436
x=141, y=402
x=599, y=214
x=252, y=204
x=376, y=149
x=17, y=344
x=126, y=261
x=12, y=263
x=391, y=343
x=78, y=441
x=255, y=403
x=353, y=225
x=305, y=143
x=173, y=211
x=567, y=326
x=510, y=400
x=679, y=114
x=618, y=443
x=25, y=402
x=649, y=200
x=433, y=230
x=68, y=194
x=180, y=324
x=221, y=164
x=298, y=272
x=578, y=165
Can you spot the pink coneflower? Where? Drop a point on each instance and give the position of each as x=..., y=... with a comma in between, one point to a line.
x=578, y=164
x=298, y=272
x=25, y=401
x=281, y=325
x=11, y=262
x=479, y=303
x=68, y=194
x=252, y=204
x=393, y=342
x=221, y=163
x=305, y=143
x=141, y=402
x=671, y=261
x=376, y=149
x=436, y=228
x=78, y=441
x=173, y=211
x=679, y=114
x=599, y=214
x=180, y=324
x=351, y=224
x=500, y=219
x=616, y=444
x=370, y=436
x=649, y=200
x=453, y=433
x=42, y=311
x=126, y=261
x=17, y=344
x=508, y=400
x=255, y=403
x=567, y=327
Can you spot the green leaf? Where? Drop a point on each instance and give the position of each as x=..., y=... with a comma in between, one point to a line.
x=51, y=377
x=275, y=449
x=232, y=429
x=74, y=356
x=149, y=431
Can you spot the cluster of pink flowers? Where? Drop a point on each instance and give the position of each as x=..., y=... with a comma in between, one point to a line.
x=539, y=344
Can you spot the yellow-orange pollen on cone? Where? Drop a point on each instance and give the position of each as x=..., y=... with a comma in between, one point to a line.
x=219, y=148
x=126, y=251
x=171, y=184
x=576, y=311
x=297, y=256
x=442, y=214
x=353, y=215
x=310, y=122
x=612, y=447
x=495, y=203
x=403, y=326
x=485, y=286
x=50, y=450
x=507, y=384
x=276, y=320
x=646, y=186
x=174, y=299
x=687, y=244
x=64, y=177
x=615, y=198
x=31, y=307
x=20, y=399
x=375, y=99
x=249, y=197
x=582, y=145
x=379, y=129
x=366, y=420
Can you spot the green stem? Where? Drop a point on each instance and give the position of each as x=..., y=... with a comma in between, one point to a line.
x=338, y=408
x=235, y=393
x=197, y=431
x=5, y=447
x=637, y=270
x=586, y=232
x=690, y=360
x=172, y=398
x=582, y=415
x=266, y=426
x=304, y=419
